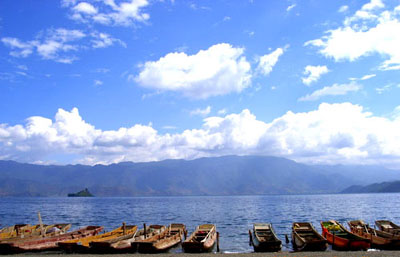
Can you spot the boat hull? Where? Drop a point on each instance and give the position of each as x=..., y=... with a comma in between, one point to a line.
x=344, y=244
x=266, y=246
x=46, y=244
x=207, y=244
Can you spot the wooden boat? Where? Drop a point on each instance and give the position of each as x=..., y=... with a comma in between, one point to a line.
x=162, y=242
x=201, y=240
x=388, y=226
x=82, y=245
x=46, y=243
x=342, y=239
x=379, y=239
x=264, y=239
x=306, y=238
x=124, y=244
x=17, y=232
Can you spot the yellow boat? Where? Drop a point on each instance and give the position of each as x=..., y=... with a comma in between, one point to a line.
x=82, y=245
x=24, y=231
x=15, y=231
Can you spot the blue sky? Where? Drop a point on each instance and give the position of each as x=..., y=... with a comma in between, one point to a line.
x=106, y=81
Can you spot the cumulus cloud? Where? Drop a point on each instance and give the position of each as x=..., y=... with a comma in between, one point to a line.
x=313, y=73
x=219, y=70
x=334, y=90
x=369, y=31
x=333, y=133
x=268, y=61
x=58, y=44
x=107, y=12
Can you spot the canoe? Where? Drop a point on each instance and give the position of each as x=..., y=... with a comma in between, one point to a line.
x=388, y=226
x=82, y=245
x=18, y=232
x=124, y=244
x=264, y=239
x=45, y=243
x=379, y=239
x=342, y=239
x=162, y=242
x=201, y=240
x=306, y=238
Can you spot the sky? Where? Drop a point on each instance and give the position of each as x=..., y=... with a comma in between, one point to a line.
x=107, y=81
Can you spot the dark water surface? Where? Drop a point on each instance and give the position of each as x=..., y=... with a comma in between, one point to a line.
x=233, y=215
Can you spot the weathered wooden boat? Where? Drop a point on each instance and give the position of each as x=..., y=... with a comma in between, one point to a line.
x=264, y=239
x=388, y=226
x=82, y=245
x=202, y=239
x=342, y=239
x=46, y=243
x=18, y=232
x=163, y=241
x=379, y=239
x=306, y=238
x=124, y=244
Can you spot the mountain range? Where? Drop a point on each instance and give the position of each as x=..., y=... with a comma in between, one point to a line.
x=384, y=187
x=227, y=175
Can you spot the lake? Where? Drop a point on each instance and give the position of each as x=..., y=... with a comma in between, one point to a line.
x=233, y=215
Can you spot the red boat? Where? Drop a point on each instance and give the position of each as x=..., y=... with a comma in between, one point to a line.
x=342, y=239
x=46, y=243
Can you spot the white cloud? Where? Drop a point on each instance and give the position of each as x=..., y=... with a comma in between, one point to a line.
x=343, y=8
x=19, y=49
x=369, y=76
x=102, y=40
x=98, y=82
x=86, y=8
x=58, y=44
x=365, y=33
x=222, y=112
x=333, y=134
x=22, y=67
x=268, y=61
x=219, y=70
x=334, y=90
x=373, y=4
x=387, y=87
x=201, y=112
x=107, y=12
x=314, y=73
x=290, y=7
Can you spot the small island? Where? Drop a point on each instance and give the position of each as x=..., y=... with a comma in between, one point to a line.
x=83, y=193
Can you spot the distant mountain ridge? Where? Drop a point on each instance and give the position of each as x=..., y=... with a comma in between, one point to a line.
x=384, y=187
x=227, y=175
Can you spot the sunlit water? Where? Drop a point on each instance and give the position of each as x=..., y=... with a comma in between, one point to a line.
x=233, y=215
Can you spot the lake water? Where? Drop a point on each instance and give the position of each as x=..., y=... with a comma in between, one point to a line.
x=233, y=215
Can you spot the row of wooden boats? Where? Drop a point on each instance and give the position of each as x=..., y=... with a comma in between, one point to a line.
x=305, y=237
x=124, y=239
